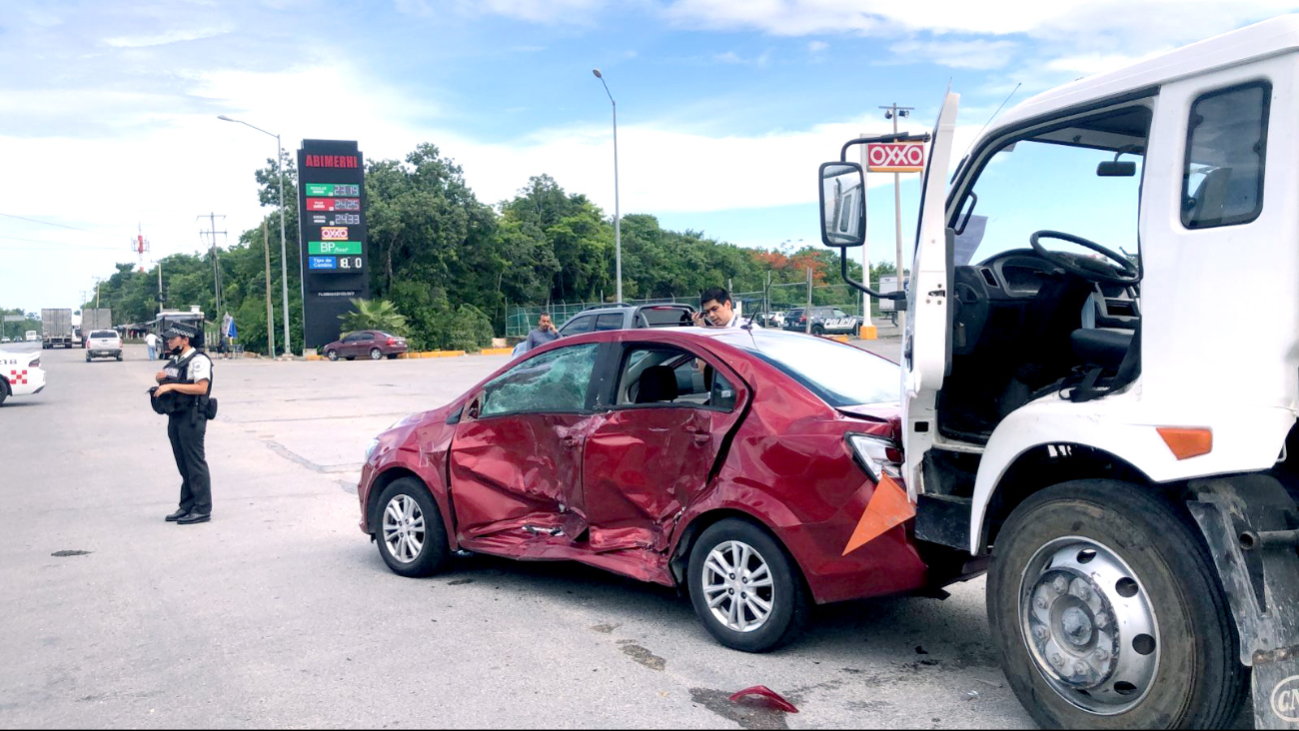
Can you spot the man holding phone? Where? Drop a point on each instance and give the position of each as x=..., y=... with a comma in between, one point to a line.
x=544, y=333
x=716, y=309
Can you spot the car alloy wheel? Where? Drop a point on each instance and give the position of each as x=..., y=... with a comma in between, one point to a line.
x=1078, y=602
x=331, y=354
x=376, y=354
x=403, y=528
x=738, y=586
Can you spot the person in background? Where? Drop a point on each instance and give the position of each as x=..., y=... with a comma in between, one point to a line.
x=544, y=333
x=716, y=309
x=151, y=341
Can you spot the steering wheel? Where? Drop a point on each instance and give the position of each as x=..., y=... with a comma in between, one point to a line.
x=1089, y=269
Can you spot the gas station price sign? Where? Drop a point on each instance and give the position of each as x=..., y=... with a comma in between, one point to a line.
x=331, y=207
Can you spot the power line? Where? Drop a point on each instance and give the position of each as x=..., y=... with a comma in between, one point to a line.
x=47, y=223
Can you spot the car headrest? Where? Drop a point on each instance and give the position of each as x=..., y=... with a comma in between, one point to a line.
x=657, y=384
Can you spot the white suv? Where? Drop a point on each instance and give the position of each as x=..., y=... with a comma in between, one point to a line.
x=105, y=343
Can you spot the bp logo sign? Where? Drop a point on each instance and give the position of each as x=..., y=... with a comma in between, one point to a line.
x=895, y=157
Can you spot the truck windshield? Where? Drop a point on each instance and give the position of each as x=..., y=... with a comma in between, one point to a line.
x=838, y=374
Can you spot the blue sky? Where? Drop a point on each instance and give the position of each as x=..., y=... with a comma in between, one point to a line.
x=725, y=107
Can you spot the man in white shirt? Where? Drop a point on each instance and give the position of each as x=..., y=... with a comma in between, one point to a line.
x=151, y=341
x=188, y=375
x=716, y=309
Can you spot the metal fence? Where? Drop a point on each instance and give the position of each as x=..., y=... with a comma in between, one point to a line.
x=520, y=319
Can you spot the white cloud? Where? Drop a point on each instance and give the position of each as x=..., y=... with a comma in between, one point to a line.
x=817, y=46
x=1096, y=63
x=176, y=35
x=574, y=12
x=731, y=57
x=976, y=54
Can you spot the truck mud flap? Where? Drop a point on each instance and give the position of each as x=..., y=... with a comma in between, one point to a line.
x=1247, y=522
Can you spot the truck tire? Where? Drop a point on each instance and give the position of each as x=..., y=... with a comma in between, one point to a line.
x=1107, y=614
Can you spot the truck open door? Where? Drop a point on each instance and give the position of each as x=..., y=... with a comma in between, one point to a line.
x=926, y=349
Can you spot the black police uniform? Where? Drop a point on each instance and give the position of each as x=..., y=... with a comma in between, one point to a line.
x=187, y=418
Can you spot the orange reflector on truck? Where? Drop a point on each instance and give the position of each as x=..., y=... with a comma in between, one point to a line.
x=1186, y=443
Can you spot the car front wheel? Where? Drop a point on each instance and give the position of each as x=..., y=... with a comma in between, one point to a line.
x=331, y=354
x=1104, y=606
x=745, y=588
x=409, y=530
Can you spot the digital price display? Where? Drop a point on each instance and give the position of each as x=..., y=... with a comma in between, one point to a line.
x=332, y=205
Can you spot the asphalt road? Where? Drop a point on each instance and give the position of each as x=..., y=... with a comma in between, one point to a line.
x=280, y=612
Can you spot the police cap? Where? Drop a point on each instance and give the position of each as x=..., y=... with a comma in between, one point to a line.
x=179, y=330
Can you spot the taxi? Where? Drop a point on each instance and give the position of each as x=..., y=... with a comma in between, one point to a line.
x=20, y=374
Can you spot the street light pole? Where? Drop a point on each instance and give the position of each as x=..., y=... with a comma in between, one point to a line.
x=617, y=222
x=284, y=257
x=893, y=112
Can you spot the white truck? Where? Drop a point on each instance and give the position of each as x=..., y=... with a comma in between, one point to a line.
x=93, y=319
x=56, y=327
x=1083, y=418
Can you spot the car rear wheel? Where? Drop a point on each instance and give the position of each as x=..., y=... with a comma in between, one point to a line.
x=331, y=354
x=376, y=354
x=818, y=330
x=1103, y=604
x=745, y=588
x=4, y=391
x=409, y=530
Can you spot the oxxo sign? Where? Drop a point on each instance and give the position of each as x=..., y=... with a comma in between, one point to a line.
x=895, y=157
x=331, y=206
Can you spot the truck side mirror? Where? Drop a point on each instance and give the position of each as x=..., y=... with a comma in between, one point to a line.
x=843, y=204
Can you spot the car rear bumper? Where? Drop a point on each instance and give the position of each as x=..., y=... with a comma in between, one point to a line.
x=93, y=353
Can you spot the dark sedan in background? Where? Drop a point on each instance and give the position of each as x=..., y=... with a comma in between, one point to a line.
x=372, y=344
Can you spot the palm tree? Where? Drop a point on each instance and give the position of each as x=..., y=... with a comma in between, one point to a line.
x=374, y=315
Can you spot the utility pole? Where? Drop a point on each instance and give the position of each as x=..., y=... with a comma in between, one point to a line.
x=270, y=315
x=161, y=299
x=807, y=314
x=893, y=112
x=865, y=252
x=216, y=262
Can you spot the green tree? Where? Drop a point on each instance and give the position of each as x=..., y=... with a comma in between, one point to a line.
x=374, y=315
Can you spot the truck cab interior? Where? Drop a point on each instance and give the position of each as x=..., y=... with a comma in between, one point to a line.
x=1045, y=268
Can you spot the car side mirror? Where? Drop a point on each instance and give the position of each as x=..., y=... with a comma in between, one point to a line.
x=843, y=209
x=1116, y=169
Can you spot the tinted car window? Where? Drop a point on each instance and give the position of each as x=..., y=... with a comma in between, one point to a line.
x=104, y=334
x=366, y=336
x=838, y=374
x=579, y=325
x=665, y=316
x=609, y=321
x=552, y=382
x=352, y=338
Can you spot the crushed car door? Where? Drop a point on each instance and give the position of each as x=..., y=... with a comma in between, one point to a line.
x=655, y=449
x=515, y=463
x=926, y=349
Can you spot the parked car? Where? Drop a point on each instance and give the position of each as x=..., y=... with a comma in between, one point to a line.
x=825, y=321
x=372, y=344
x=105, y=344
x=746, y=467
x=628, y=317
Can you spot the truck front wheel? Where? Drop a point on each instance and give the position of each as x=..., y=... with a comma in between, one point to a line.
x=1107, y=614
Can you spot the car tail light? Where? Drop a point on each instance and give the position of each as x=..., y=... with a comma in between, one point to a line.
x=877, y=456
x=392, y=341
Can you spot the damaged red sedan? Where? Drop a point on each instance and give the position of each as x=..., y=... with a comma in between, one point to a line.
x=754, y=468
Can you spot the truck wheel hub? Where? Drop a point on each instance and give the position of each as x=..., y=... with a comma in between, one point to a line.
x=1089, y=625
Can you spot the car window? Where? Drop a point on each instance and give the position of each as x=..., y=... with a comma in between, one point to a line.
x=838, y=374
x=659, y=375
x=578, y=325
x=609, y=321
x=556, y=381
x=366, y=336
x=665, y=316
x=1222, y=182
x=351, y=338
x=104, y=334
x=840, y=313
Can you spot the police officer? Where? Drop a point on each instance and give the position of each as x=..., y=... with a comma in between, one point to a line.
x=187, y=377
